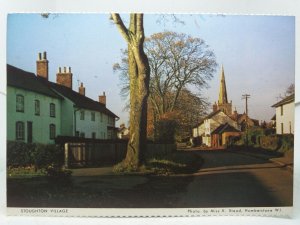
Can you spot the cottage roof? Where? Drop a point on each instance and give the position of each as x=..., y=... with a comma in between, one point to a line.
x=286, y=100
x=225, y=128
x=28, y=81
x=207, y=117
x=79, y=100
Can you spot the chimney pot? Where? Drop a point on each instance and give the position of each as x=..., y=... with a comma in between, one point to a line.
x=64, y=78
x=102, y=98
x=81, y=89
x=69, y=69
x=42, y=69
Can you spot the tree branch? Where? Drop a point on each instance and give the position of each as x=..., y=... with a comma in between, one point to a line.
x=120, y=25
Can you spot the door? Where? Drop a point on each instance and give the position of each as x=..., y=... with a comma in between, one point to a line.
x=29, y=132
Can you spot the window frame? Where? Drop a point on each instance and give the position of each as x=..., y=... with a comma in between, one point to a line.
x=20, y=135
x=20, y=106
x=82, y=115
x=281, y=110
x=37, y=107
x=52, y=131
x=93, y=116
x=52, y=110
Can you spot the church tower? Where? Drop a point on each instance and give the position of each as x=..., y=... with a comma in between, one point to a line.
x=223, y=103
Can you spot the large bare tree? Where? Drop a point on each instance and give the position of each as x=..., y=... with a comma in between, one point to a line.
x=177, y=61
x=139, y=76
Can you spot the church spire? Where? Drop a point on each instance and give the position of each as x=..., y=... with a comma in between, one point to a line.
x=223, y=92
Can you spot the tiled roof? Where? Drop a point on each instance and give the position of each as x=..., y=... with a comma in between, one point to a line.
x=28, y=81
x=284, y=101
x=79, y=100
x=225, y=128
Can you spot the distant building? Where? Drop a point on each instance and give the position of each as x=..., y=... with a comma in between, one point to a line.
x=285, y=111
x=222, y=133
x=123, y=132
x=212, y=122
x=39, y=110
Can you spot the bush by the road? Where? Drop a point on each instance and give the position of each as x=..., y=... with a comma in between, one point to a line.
x=21, y=154
x=265, y=139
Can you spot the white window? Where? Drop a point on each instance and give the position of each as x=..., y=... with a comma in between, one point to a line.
x=93, y=116
x=20, y=130
x=52, y=131
x=20, y=103
x=37, y=107
x=52, y=109
x=81, y=115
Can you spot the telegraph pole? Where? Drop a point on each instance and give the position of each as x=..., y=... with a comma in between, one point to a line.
x=246, y=96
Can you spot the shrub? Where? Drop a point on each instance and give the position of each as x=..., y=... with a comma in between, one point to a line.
x=23, y=154
x=165, y=131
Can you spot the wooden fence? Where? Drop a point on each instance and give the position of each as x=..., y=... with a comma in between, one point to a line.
x=106, y=153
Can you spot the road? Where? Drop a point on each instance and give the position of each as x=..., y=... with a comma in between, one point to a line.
x=229, y=179
x=226, y=179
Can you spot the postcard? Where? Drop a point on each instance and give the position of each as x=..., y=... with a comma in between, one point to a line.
x=150, y=114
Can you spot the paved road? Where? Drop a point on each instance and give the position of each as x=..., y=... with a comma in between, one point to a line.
x=229, y=179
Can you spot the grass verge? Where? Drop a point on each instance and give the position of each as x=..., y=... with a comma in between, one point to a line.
x=174, y=163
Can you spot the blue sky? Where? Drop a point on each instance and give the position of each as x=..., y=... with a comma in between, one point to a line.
x=258, y=53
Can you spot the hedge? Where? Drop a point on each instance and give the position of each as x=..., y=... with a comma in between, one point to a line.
x=21, y=154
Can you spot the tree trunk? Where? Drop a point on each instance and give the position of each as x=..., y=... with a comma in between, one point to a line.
x=139, y=72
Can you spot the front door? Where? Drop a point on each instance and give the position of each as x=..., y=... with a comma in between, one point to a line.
x=29, y=132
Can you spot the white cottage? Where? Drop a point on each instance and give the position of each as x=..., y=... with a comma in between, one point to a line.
x=285, y=112
x=212, y=122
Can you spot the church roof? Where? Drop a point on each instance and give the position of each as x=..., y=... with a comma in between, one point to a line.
x=223, y=92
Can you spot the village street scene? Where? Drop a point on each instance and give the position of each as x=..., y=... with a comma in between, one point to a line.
x=150, y=111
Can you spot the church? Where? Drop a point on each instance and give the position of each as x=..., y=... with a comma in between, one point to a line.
x=215, y=128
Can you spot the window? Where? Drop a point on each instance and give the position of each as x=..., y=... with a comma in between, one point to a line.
x=20, y=130
x=52, y=109
x=81, y=115
x=290, y=127
x=281, y=128
x=93, y=116
x=37, y=107
x=101, y=117
x=77, y=134
x=20, y=103
x=281, y=110
x=52, y=131
x=94, y=135
x=82, y=134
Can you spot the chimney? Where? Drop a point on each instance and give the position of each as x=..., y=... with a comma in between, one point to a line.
x=42, y=69
x=81, y=89
x=64, y=77
x=102, y=98
x=215, y=107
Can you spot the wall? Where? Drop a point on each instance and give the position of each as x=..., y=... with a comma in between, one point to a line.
x=40, y=124
x=99, y=126
x=286, y=118
x=67, y=117
x=199, y=131
x=107, y=153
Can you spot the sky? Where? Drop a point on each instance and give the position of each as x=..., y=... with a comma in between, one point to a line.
x=257, y=53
